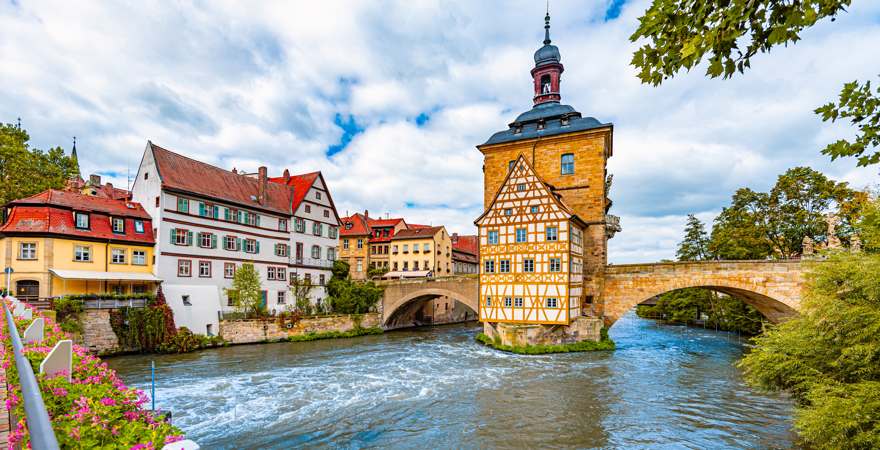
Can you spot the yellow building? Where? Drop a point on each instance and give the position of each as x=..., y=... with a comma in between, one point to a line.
x=354, y=245
x=421, y=251
x=62, y=242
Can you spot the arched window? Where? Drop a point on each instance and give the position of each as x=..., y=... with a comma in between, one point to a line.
x=567, y=164
x=545, y=84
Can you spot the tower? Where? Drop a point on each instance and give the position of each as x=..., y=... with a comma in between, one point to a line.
x=544, y=229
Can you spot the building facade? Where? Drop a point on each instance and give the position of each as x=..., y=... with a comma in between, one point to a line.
x=465, y=254
x=354, y=245
x=64, y=242
x=547, y=171
x=383, y=230
x=425, y=251
x=209, y=221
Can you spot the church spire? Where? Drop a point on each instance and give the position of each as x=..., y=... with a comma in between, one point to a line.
x=548, y=69
x=547, y=25
x=74, y=158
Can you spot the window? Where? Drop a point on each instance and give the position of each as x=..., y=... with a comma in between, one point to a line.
x=139, y=257
x=321, y=279
x=317, y=228
x=282, y=224
x=426, y=247
x=326, y=213
x=521, y=235
x=308, y=279
x=317, y=195
x=555, y=265
x=186, y=301
x=360, y=243
x=270, y=273
x=228, y=270
x=184, y=268
x=489, y=266
x=534, y=209
x=118, y=224
x=552, y=303
x=518, y=302
x=360, y=266
x=179, y=236
x=281, y=297
x=528, y=265
x=117, y=256
x=82, y=220
x=281, y=274
x=205, y=269
x=308, y=208
x=316, y=252
x=281, y=249
x=251, y=246
x=508, y=211
x=331, y=253
x=182, y=205
x=567, y=164
x=82, y=253
x=493, y=237
x=230, y=243
x=333, y=232
x=415, y=265
x=207, y=240
x=146, y=175
x=300, y=225
x=510, y=165
x=508, y=302
x=521, y=187
x=345, y=244
x=139, y=226
x=406, y=248
x=504, y=266
x=394, y=249
x=488, y=301
x=552, y=233
x=157, y=201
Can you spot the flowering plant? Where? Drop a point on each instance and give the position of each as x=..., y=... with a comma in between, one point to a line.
x=93, y=410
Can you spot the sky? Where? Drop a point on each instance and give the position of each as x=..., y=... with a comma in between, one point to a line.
x=389, y=99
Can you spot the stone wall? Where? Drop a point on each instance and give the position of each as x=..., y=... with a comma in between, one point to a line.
x=257, y=330
x=517, y=335
x=98, y=335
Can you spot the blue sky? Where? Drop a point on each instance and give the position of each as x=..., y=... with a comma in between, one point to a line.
x=389, y=99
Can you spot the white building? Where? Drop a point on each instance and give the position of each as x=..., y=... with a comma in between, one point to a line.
x=209, y=221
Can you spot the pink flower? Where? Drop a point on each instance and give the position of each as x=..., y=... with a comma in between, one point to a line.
x=107, y=401
x=60, y=391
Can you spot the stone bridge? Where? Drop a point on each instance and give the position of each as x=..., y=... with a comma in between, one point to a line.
x=771, y=287
x=403, y=294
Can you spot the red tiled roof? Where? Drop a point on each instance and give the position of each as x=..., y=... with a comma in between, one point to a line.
x=358, y=227
x=385, y=222
x=412, y=226
x=81, y=202
x=56, y=220
x=301, y=185
x=181, y=173
x=467, y=244
x=416, y=233
x=458, y=255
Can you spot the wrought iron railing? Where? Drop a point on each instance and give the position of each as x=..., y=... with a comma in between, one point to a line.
x=38, y=422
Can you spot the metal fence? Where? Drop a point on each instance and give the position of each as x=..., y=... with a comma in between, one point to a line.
x=38, y=423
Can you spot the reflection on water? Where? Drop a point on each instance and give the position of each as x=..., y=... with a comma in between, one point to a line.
x=669, y=387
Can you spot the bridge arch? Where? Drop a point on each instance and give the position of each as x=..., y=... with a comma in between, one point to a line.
x=771, y=287
x=399, y=296
x=415, y=299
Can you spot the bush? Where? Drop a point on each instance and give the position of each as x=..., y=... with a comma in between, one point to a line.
x=335, y=334
x=68, y=312
x=184, y=341
x=604, y=344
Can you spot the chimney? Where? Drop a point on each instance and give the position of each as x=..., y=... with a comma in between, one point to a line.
x=286, y=176
x=95, y=180
x=263, y=185
x=367, y=213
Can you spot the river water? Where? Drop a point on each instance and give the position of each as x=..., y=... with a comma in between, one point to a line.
x=664, y=387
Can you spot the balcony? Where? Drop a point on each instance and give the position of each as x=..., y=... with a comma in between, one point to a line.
x=323, y=263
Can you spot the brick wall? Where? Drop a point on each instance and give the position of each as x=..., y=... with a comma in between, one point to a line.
x=252, y=331
x=98, y=335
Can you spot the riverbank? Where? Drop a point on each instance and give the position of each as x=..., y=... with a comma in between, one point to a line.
x=604, y=344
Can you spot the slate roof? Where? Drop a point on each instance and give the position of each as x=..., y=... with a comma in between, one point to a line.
x=416, y=233
x=51, y=212
x=552, y=114
x=185, y=174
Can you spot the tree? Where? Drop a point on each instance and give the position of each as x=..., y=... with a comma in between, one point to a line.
x=26, y=171
x=247, y=292
x=695, y=246
x=349, y=297
x=862, y=107
x=301, y=290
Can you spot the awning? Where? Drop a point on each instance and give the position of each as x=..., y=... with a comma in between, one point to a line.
x=408, y=274
x=109, y=276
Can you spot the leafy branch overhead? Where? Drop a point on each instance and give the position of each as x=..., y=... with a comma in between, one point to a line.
x=862, y=107
x=728, y=33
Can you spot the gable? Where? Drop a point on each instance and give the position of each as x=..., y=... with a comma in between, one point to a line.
x=523, y=198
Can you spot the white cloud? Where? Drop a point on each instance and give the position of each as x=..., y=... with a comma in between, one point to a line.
x=244, y=84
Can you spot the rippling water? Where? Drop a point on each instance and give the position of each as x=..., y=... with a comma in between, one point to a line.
x=664, y=387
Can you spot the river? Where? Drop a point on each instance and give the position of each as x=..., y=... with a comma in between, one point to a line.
x=664, y=387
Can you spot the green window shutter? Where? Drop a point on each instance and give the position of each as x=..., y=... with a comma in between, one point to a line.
x=202, y=211
x=240, y=218
x=258, y=220
x=238, y=244
x=215, y=212
x=189, y=238
x=227, y=214
x=213, y=241
x=257, y=246
x=173, y=230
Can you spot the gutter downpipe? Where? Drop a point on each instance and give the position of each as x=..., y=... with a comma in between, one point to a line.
x=38, y=422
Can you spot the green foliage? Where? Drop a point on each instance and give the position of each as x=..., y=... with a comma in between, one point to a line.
x=695, y=246
x=67, y=313
x=350, y=297
x=301, y=290
x=862, y=107
x=376, y=272
x=723, y=312
x=728, y=33
x=107, y=296
x=185, y=341
x=142, y=329
x=247, y=291
x=760, y=225
x=604, y=344
x=358, y=331
x=829, y=356
x=26, y=171
x=868, y=226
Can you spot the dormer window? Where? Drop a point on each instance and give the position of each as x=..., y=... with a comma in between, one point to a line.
x=517, y=129
x=565, y=121
x=82, y=220
x=118, y=224
x=541, y=125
